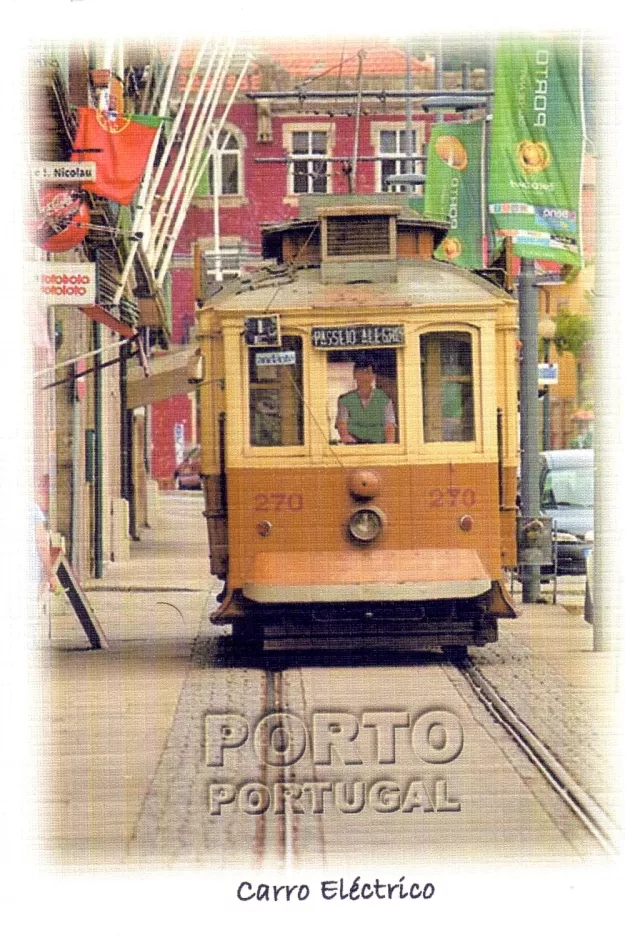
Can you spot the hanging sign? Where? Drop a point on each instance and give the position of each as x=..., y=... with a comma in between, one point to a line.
x=453, y=190
x=65, y=284
x=62, y=219
x=365, y=336
x=537, y=147
x=547, y=372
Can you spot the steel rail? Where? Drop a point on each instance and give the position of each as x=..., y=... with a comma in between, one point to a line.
x=367, y=93
x=561, y=781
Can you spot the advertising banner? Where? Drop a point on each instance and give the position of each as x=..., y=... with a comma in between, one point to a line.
x=453, y=190
x=537, y=148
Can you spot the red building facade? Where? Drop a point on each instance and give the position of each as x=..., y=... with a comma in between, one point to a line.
x=272, y=151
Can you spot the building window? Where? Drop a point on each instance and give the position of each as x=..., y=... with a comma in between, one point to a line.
x=309, y=171
x=227, y=164
x=391, y=146
x=447, y=387
x=276, y=395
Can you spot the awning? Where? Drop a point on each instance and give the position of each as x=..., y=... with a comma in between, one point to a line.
x=168, y=378
x=99, y=314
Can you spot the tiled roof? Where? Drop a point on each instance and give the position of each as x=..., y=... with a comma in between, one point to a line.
x=302, y=60
x=311, y=59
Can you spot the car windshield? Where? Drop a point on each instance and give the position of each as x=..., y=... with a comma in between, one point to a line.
x=568, y=488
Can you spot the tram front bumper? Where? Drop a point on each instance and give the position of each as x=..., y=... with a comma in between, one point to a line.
x=366, y=575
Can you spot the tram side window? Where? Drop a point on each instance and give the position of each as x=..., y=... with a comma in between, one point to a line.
x=276, y=395
x=447, y=386
x=362, y=396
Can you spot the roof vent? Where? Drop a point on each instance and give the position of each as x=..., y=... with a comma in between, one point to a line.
x=358, y=243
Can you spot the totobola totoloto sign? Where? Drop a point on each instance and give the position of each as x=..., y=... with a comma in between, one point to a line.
x=64, y=284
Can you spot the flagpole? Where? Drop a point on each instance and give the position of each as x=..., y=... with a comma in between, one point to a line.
x=187, y=173
x=143, y=205
x=200, y=170
x=173, y=131
x=216, y=194
x=155, y=243
x=200, y=132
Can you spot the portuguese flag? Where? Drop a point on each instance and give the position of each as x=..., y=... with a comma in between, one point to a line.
x=119, y=147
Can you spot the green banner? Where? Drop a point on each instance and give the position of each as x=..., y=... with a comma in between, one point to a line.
x=453, y=190
x=537, y=147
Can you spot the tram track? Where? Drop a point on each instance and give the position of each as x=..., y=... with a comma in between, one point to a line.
x=559, y=780
x=593, y=818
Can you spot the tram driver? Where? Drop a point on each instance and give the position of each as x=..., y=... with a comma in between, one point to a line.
x=366, y=414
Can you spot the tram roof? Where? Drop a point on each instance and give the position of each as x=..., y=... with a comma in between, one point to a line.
x=419, y=283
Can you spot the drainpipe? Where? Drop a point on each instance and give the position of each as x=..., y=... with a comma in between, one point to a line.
x=127, y=486
x=76, y=512
x=98, y=479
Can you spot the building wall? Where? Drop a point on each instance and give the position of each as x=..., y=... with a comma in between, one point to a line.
x=265, y=197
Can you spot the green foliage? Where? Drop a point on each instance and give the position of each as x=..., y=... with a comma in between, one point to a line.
x=572, y=333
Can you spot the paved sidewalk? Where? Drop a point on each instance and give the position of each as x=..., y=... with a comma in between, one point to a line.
x=545, y=667
x=112, y=711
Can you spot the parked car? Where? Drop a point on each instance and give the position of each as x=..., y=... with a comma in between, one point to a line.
x=567, y=496
x=187, y=473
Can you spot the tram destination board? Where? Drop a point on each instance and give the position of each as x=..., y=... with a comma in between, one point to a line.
x=360, y=336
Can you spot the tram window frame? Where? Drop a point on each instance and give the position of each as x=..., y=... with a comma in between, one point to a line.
x=271, y=390
x=387, y=380
x=456, y=379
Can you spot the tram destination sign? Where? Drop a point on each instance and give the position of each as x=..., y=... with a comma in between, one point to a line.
x=361, y=336
x=262, y=330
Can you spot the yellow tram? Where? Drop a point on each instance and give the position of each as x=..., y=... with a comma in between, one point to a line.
x=359, y=437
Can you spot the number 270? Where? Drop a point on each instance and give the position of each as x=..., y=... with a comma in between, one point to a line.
x=452, y=497
x=278, y=501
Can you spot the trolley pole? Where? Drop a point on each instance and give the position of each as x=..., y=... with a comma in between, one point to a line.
x=530, y=494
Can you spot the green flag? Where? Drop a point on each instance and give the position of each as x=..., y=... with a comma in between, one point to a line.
x=537, y=146
x=453, y=190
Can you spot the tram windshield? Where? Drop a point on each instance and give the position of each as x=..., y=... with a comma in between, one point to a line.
x=447, y=387
x=276, y=396
x=362, y=396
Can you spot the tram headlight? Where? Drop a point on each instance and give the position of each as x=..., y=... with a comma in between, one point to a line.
x=366, y=524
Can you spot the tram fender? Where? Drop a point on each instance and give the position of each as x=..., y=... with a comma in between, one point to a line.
x=501, y=604
x=367, y=576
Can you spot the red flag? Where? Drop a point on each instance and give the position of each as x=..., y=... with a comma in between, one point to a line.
x=119, y=147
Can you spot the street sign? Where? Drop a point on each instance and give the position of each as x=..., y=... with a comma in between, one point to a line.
x=547, y=373
x=72, y=173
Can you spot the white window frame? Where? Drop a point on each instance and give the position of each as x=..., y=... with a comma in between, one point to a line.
x=287, y=140
x=234, y=132
x=377, y=128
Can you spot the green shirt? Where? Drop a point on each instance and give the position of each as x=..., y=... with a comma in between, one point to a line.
x=366, y=424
